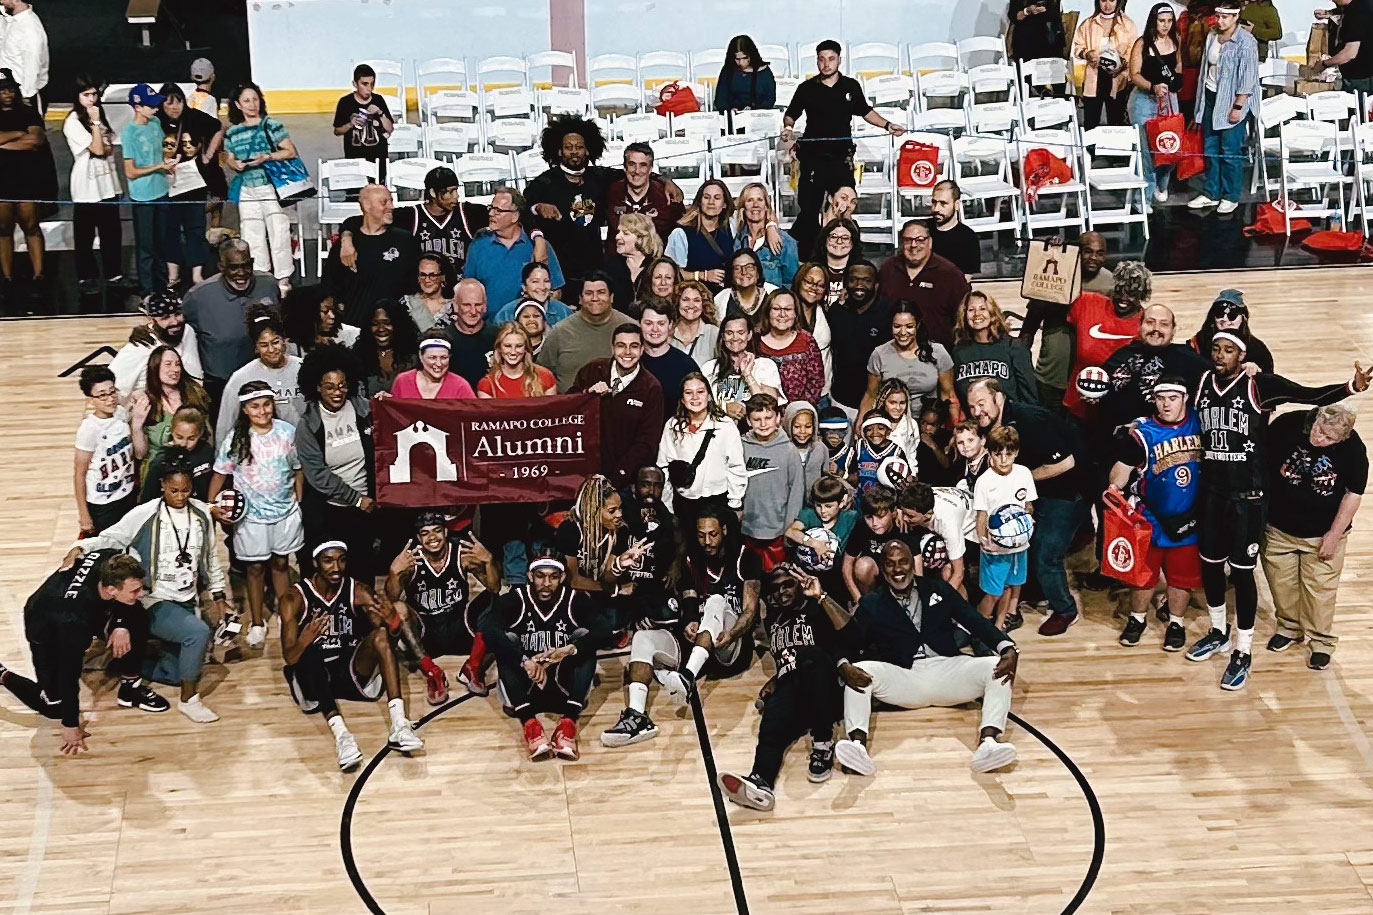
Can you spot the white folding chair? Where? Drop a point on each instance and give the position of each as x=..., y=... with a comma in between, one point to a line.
x=659, y=67
x=1278, y=76
x=942, y=89
x=701, y=124
x=529, y=164
x=993, y=83
x=914, y=202
x=1272, y=114
x=1334, y=106
x=480, y=173
x=540, y=61
x=982, y=49
x=994, y=119
x=1313, y=180
x=390, y=85
x=605, y=69
x=1113, y=165
x=502, y=72
x=1043, y=75
x=406, y=140
x=686, y=160
x=439, y=76
x=932, y=57
x=982, y=168
x=873, y=58
x=511, y=134
x=759, y=123
x=786, y=88
x=893, y=90
x=336, y=178
x=405, y=177
x=948, y=121
x=1070, y=196
x=510, y=102
x=1043, y=113
x=1361, y=138
x=614, y=99
x=805, y=57
x=448, y=141
x=873, y=159
x=445, y=105
x=739, y=161
x=705, y=65
x=639, y=128
x=778, y=58
x=562, y=100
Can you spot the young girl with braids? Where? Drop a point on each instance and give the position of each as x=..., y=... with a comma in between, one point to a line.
x=260, y=454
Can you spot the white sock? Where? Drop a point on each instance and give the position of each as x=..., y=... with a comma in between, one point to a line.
x=1245, y=641
x=194, y=700
x=1218, y=617
x=638, y=697
x=337, y=726
x=1137, y=617
x=697, y=660
x=397, y=709
x=1176, y=621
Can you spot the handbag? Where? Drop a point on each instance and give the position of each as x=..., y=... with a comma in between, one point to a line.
x=1164, y=132
x=1125, y=544
x=1268, y=220
x=683, y=473
x=1044, y=168
x=1052, y=273
x=917, y=165
x=1190, y=162
x=289, y=177
x=674, y=98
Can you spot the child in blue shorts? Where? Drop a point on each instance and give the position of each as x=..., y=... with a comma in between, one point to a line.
x=1001, y=499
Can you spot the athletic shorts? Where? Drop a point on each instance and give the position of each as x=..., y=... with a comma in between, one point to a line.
x=344, y=682
x=999, y=571
x=258, y=541
x=658, y=648
x=1180, y=565
x=445, y=634
x=771, y=553
x=1231, y=529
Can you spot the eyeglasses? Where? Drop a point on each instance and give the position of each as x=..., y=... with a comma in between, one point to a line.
x=495, y=209
x=814, y=284
x=745, y=268
x=431, y=276
x=916, y=240
x=105, y=395
x=843, y=239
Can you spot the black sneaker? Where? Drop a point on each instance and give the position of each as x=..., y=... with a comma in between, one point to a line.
x=1319, y=660
x=821, y=762
x=1134, y=628
x=746, y=791
x=1237, y=671
x=1014, y=620
x=632, y=727
x=1280, y=642
x=136, y=694
x=1174, y=637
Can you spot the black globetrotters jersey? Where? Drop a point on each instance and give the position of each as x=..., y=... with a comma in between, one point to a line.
x=568, y=619
x=1234, y=427
x=802, y=625
x=436, y=592
x=449, y=236
x=346, y=625
x=726, y=578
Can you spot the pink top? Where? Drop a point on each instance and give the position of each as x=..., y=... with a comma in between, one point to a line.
x=453, y=387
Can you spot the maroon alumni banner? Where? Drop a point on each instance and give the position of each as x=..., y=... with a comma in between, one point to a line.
x=459, y=452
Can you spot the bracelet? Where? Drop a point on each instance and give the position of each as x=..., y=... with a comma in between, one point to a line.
x=537, y=233
x=770, y=225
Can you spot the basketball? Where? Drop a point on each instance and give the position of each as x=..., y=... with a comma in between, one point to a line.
x=1011, y=527
x=894, y=472
x=810, y=560
x=232, y=504
x=1093, y=382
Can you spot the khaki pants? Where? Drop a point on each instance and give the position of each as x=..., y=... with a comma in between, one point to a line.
x=1303, y=586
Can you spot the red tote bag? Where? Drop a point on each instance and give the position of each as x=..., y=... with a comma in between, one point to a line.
x=1190, y=162
x=1164, y=132
x=917, y=165
x=674, y=98
x=1125, y=546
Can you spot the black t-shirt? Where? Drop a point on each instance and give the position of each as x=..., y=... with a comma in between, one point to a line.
x=1046, y=438
x=195, y=129
x=802, y=625
x=576, y=237
x=829, y=112
x=853, y=337
x=1134, y=369
x=385, y=270
x=470, y=354
x=650, y=573
x=670, y=368
x=1357, y=25
x=1306, y=483
x=367, y=139
x=449, y=236
x=960, y=246
x=726, y=576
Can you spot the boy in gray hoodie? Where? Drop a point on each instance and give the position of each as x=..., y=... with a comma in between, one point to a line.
x=776, y=482
x=801, y=425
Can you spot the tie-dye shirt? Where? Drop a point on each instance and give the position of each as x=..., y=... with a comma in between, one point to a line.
x=268, y=481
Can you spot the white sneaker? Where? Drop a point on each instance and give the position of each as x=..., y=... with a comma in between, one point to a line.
x=1227, y=206
x=404, y=738
x=196, y=710
x=348, y=753
x=853, y=756
x=992, y=755
x=257, y=635
x=1200, y=202
x=1160, y=195
x=678, y=685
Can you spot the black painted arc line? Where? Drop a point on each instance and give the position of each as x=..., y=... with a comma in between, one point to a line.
x=1098, y=821
x=736, y=878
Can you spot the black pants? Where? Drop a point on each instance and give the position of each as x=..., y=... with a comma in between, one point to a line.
x=214, y=387
x=806, y=699
x=325, y=680
x=183, y=234
x=820, y=174
x=564, y=692
x=1113, y=109
x=88, y=219
x=108, y=514
x=147, y=238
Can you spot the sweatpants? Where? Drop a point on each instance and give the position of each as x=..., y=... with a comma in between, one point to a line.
x=936, y=681
x=805, y=699
x=564, y=691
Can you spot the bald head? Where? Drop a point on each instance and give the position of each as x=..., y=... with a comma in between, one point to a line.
x=1092, y=248
x=898, y=566
x=1156, y=326
x=469, y=305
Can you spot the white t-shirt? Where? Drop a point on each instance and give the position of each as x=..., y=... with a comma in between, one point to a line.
x=179, y=530
x=93, y=178
x=1213, y=64
x=111, y=475
x=993, y=491
x=734, y=390
x=343, y=452
x=950, y=520
x=130, y=364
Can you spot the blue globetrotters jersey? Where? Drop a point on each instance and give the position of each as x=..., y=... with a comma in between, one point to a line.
x=1167, y=483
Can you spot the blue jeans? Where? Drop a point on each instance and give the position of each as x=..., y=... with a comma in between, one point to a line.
x=149, y=259
x=1224, y=176
x=1144, y=106
x=1056, y=521
x=180, y=625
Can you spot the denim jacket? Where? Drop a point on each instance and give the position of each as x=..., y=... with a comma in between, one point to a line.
x=1239, y=75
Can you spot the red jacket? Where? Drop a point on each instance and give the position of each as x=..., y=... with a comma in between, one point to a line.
x=631, y=421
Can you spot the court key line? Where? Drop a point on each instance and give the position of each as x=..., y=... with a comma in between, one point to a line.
x=721, y=814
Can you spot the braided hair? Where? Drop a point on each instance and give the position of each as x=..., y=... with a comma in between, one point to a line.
x=596, y=539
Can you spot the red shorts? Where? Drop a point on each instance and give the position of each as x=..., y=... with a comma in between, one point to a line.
x=771, y=553
x=1180, y=565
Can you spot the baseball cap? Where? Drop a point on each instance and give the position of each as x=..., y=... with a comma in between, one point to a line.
x=7, y=80
x=143, y=94
x=1230, y=297
x=202, y=69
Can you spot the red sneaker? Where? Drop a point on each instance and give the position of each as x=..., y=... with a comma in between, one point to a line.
x=436, y=684
x=565, y=740
x=621, y=639
x=535, y=740
x=473, y=677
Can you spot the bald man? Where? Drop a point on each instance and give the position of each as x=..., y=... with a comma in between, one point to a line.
x=470, y=332
x=1137, y=366
x=385, y=264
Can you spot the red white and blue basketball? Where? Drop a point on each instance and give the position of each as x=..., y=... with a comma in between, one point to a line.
x=809, y=559
x=1011, y=527
x=893, y=472
x=1093, y=382
x=232, y=504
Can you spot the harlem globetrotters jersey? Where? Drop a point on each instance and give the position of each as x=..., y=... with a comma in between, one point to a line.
x=448, y=236
x=725, y=578
x=862, y=458
x=802, y=625
x=1233, y=424
x=345, y=624
x=539, y=628
x=1169, y=473
x=438, y=591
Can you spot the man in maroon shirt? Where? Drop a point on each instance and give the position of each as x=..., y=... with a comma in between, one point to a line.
x=933, y=284
x=631, y=406
x=637, y=192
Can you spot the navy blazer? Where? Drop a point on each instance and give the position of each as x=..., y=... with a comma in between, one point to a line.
x=881, y=630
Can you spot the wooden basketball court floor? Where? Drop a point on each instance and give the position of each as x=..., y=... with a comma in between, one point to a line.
x=1258, y=802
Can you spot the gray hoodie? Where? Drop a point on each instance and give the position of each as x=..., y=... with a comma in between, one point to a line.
x=816, y=456
x=776, y=486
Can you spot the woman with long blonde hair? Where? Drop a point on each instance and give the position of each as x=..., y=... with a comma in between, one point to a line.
x=757, y=232
x=636, y=246
x=513, y=372
x=984, y=347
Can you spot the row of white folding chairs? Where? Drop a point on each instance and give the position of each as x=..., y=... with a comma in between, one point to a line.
x=1338, y=108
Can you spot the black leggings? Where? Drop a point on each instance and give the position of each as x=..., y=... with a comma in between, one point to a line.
x=564, y=692
x=806, y=699
x=1246, y=591
x=88, y=219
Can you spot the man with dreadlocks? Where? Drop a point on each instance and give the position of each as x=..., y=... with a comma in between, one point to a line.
x=570, y=200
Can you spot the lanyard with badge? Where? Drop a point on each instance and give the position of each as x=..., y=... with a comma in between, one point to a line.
x=182, y=576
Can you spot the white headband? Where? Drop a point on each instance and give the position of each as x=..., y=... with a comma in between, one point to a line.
x=1168, y=387
x=834, y=423
x=328, y=545
x=254, y=395
x=1226, y=335
x=1232, y=10
x=547, y=562
x=876, y=421
x=435, y=342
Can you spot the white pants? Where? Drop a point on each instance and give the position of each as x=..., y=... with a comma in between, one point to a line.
x=267, y=230
x=662, y=650
x=929, y=681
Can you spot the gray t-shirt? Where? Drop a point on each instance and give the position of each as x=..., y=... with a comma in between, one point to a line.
x=343, y=452
x=216, y=312
x=920, y=376
x=285, y=386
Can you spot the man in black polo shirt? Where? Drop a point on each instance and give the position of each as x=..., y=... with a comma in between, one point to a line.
x=1052, y=448
x=1355, y=41
x=1317, y=470
x=858, y=325
x=386, y=260
x=953, y=239
x=830, y=101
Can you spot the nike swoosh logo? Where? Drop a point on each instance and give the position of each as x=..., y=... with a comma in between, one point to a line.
x=753, y=473
x=1096, y=331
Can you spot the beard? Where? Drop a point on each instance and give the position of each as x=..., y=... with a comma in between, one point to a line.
x=172, y=336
